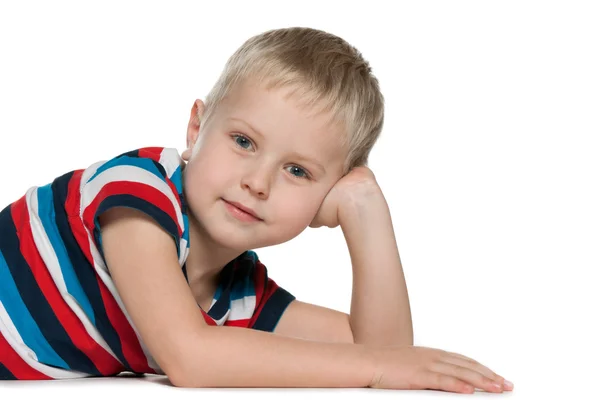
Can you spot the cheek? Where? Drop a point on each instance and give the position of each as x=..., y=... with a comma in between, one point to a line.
x=297, y=210
x=207, y=172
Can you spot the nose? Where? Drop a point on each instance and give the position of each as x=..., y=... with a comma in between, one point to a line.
x=257, y=181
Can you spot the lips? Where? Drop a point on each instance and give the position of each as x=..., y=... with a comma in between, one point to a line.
x=243, y=208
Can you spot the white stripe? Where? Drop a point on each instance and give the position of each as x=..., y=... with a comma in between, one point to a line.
x=9, y=331
x=86, y=175
x=131, y=174
x=48, y=255
x=170, y=160
x=242, y=308
x=183, y=251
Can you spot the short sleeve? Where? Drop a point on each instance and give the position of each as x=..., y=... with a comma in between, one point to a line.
x=148, y=180
x=271, y=299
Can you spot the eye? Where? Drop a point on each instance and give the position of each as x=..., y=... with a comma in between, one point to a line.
x=243, y=138
x=302, y=170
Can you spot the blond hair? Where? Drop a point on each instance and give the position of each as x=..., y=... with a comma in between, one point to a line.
x=324, y=70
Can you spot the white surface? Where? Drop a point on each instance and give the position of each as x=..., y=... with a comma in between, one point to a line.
x=488, y=159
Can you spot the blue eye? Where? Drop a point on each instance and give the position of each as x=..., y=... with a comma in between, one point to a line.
x=302, y=170
x=245, y=139
x=242, y=137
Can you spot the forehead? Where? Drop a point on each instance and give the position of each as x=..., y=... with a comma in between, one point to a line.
x=285, y=122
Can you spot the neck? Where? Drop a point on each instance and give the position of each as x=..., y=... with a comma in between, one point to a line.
x=206, y=257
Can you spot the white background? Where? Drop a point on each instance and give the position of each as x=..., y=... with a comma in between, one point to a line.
x=488, y=158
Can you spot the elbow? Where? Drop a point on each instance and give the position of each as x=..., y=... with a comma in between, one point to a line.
x=188, y=373
x=176, y=373
x=178, y=380
x=181, y=377
x=193, y=367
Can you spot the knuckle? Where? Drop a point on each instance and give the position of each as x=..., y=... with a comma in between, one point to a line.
x=456, y=370
x=437, y=380
x=455, y=385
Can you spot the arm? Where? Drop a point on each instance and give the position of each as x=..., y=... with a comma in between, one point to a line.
x=380, y=310
x=192, y=354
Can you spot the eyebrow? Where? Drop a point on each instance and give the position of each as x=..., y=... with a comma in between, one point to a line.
x=295, y=154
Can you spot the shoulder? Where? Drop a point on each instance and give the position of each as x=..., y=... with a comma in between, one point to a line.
x=252, y=275
x=164, y=163
x=146, y=179
x=152, y=173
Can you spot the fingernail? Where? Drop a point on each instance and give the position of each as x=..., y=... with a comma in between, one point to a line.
x=508, y=384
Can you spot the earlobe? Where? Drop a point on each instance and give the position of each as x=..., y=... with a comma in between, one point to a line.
x=186, y=154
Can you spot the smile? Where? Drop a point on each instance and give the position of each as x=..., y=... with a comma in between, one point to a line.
x=240, y=214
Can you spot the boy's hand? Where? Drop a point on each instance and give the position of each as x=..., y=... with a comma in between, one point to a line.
x=360, y=181
x=414, y=367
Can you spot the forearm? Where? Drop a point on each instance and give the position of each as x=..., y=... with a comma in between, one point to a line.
x=240, y=357
x=380, y=309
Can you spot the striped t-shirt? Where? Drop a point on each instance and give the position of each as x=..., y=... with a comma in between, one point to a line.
x=61, y=316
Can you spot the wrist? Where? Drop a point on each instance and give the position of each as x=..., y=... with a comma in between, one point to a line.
x=368, y=356
x=360, y=205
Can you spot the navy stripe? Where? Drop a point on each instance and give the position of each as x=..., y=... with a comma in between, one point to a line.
x=127, y=200
x=83, y=269
x=36, y=302
x=273, y=310
x=131, y=201
x=132, y=153
x=226, y=278
x=5, y=374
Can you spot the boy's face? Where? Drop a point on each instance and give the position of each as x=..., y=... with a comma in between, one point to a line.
x=267, y=153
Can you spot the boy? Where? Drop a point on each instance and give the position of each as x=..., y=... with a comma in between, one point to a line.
x=141, y=263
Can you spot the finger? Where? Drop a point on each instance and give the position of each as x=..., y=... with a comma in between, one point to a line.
x=467, y=375
x=465, y=361
x=440, y=381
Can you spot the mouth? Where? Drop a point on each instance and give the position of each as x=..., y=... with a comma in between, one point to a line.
x=241, y=212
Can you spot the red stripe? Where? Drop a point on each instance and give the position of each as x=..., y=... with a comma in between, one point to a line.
x=140, y=190
x=104, y=361
x=155, y=153
x=131, y=347
x=72, y=205
x=262, y=296
x=240, y=323
x=208, y=319
x=174, y=190
x=16, y=365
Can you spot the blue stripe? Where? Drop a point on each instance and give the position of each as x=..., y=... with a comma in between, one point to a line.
x=46, y=214
x=23, y=321
x=244, y=284
x=143, y=163
x=249, y=254
x=176, y=178
x=186, y=231
x=83, y=269
x=30, y=309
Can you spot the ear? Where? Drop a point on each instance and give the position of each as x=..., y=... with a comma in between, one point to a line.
x=193, y=128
